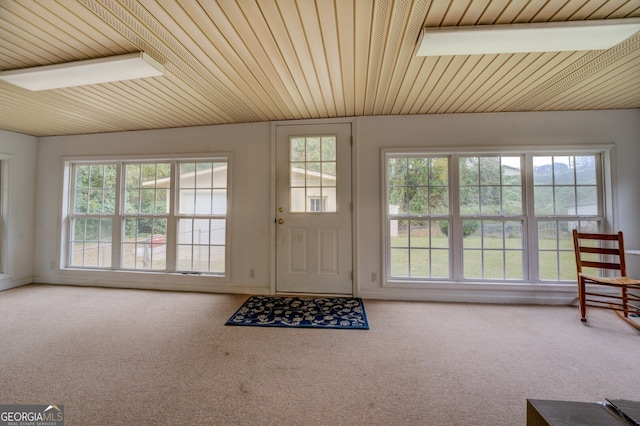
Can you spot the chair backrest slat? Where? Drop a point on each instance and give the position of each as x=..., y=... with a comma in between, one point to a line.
x=589, y=243
x=603, y=237
x=599, y=250
x=600, y=265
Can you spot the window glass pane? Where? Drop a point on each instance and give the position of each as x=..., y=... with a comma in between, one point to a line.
x=440, y=234
x=419, y=235
x=511, y=169
x=314, y=177
x=440, y=264
x=489, y=170
x=217, y=259
x=418, y=201
x=419, y=263
x=513, y=265
x=587, y=200
x=472, y=264
x=329, y=148
x=543, y=200
x=439, y=172
x=513, y=235
x=313, y=174
x=298, y=149
x=329, y=199
x=400, y=233
x=219, y=170
x=469, y=200
x=493, y=264
x=512, y=200
x=563, y=171
x=489, y=200
x=204, y=175
x=399, y=259
x=586, y=170
x=329, y=173
x=492, y=236
x=439, y=200
x=185, y=231
x=542, y=170
x=313, y=149
x=469, y=171
x=565, y=200
x=185, y=257
x=396, y=171
x=298, y=176
x=567, y=264
x=548, y=261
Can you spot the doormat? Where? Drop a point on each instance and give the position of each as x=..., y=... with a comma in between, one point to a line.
x=299, y=312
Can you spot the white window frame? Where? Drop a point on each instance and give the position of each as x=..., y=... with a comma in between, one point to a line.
x=604, y=151
x=3, y=213
x=119, y=216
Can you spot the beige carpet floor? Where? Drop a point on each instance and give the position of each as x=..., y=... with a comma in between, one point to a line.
x=129, y=357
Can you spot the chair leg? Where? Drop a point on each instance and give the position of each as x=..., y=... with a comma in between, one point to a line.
x=582, y=300
x=625, y=302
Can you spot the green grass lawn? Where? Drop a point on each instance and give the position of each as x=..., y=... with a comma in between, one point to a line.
x=488, y=258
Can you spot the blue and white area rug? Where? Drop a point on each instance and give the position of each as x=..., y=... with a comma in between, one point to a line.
x=312, y=312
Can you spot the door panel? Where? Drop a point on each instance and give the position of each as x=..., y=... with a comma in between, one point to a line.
x=313, y=209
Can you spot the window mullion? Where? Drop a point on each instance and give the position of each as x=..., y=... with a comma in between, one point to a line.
x=172, y=241
x=117, y=218
x=531, y=222
x=455, y=233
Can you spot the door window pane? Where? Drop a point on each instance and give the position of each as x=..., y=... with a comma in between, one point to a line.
x=312, y=174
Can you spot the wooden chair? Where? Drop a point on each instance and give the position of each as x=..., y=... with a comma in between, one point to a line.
x=603, y=255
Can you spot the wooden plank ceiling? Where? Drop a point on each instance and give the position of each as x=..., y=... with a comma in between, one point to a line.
x=259, y=60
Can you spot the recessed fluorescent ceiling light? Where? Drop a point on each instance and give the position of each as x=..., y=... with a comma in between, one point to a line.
x=80, y=73
x=524, y=38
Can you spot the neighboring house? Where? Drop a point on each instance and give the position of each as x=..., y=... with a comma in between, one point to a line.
x=312, y=192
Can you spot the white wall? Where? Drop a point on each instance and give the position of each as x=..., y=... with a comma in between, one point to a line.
x=555, y=129
x=252, y=221
x=19, y=154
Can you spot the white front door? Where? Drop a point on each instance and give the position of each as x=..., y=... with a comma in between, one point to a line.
x=313, y=209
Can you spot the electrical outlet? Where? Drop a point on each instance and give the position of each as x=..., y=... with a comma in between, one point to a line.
x=252, y=273
x=374, y=277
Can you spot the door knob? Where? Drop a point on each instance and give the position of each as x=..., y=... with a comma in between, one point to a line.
x=281, y=221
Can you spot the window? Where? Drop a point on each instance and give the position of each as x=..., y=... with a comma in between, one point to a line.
x=165, y=216
x=491, y=212
x=418, y=194
x=313, y=174
x=567, y=195
x=477, y=217
x=202, y=216
x=92, y=215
